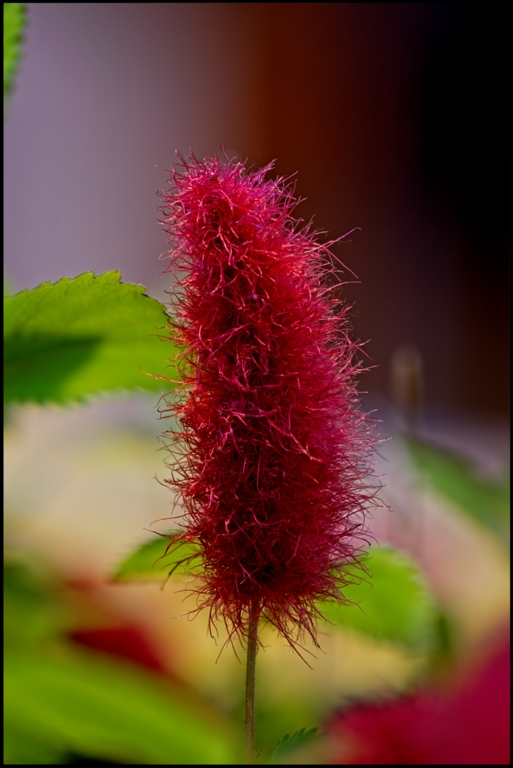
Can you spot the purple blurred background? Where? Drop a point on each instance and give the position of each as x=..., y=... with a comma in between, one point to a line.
x=392, y=114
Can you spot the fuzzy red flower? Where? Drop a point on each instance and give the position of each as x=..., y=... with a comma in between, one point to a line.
x=271, y=458
x=469, y=725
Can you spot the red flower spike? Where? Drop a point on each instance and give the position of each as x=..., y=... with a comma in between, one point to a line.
x=272, y=456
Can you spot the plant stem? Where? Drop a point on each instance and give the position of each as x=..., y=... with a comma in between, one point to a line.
x=249, y=740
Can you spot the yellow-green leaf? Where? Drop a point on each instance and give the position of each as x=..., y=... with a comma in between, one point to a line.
x=149, y=563
x=14, y=23
x=78, y=702
x=391, y=603
x=289, y=744
x=485, y=500
x=84, y=336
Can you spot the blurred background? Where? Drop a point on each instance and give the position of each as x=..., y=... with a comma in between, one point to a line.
x=393, y=116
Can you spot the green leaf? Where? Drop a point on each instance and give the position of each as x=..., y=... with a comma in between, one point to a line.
x=83, y=703
x=21, y=749
x=148, y=562
x=61, y=700
x=486, y=501
x=14, y=23
x=289, y=744
x=392, y=603
x=83, y=336
x=32, y=615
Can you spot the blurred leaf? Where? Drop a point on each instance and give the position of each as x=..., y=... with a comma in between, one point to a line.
x=31, y=614
x=21, y=749
x=392, y=603
x=486, y=501
x=14, y=23
x=444, y=652
x=61, y=700
x=148, y=562
x=79, y=702
x=83, y=336
x=289, y=744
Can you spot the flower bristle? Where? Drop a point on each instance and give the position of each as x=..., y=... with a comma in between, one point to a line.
x=271, y=458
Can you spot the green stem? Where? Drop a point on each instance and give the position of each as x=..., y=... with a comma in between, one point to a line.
x=250, y=689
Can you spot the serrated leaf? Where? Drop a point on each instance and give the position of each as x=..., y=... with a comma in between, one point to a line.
x=486, y=501
x=14, y=23
x=289, y=744
x=149, y=563
x=83, y=336
x=79, y=702
x=392, y=603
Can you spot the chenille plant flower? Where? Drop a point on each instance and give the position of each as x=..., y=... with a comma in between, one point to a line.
x=271, y=458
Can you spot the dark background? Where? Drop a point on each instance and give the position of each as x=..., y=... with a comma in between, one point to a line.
x=394, y=117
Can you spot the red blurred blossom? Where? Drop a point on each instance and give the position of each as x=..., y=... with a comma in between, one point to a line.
x=272, y=454
x=128, y=642
x=112, y=632
x=470, y=726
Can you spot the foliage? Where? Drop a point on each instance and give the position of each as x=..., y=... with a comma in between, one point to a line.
x=290, y=743
x=485, y=500
x=148, y=562
x=14, y=24
x=63, y=700
x=90, y=335
x=80, y=337
x=393, y=603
